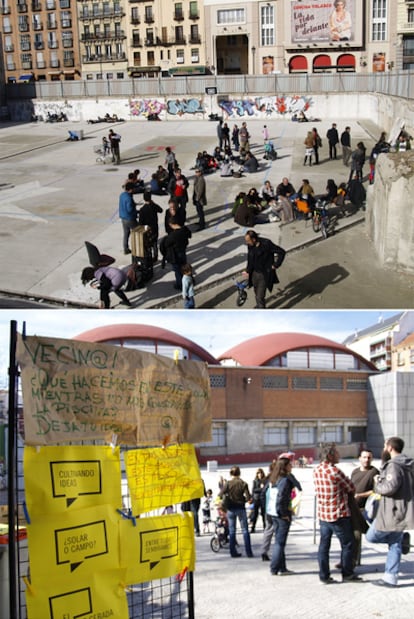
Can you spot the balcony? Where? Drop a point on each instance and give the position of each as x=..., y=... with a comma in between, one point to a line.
x=23, y=28
x=22, y=8
x=40, y=64
x=53, y=44
x=50, y=5
x=55, y=64
x=149, y=19
x=6, y=10
x=101, y=36
x=194, y=15
x=11, y=66
x=67, y=43
x=407, y=27
x=39, y=45
x=101, y=14
x=68, y=62
x=102, y=59
x=9, y=48
x=37, y=26
x=27, y=64
x=25, y=47
x=8, y=29
x=194, y=39
x=51, y=25
x=135, y=20
x=180, y=40
x=136, y=42
x=137, y=1
x=66, y=23
x=36, y=6
x=178, y=15
x=152, y=42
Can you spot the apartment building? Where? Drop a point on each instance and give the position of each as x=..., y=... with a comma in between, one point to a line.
x=40, y=40
x=404, y=41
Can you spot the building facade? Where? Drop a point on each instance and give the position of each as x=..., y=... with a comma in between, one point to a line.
x=40, y=40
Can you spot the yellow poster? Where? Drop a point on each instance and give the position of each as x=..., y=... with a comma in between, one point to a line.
x=73, y=545
x=71, y=477
x=160, y=477
x=75, y=391
x=101, y=595
x=157, y=547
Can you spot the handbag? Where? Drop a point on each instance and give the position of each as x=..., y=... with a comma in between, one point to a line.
x=371, y=506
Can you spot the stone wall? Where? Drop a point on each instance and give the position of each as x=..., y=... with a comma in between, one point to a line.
x=389, y=220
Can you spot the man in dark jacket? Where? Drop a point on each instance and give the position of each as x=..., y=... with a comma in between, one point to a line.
x=261, y=265
x=148, y=216
x=333, y=139
x=395, y=484
x=173, y=248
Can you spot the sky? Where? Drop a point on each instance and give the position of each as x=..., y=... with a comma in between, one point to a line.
x=214, y=330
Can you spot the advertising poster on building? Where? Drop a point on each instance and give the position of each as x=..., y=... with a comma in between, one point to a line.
x=323, y=22
x=76, y=391
x=157, y=547
x=160, y=477
x=378, y=63
x=71, y=478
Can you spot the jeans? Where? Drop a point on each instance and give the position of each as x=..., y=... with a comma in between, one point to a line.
x=127, y=226
x=281, y=528
x=189, y=303
x=200, y=213
x=232, y=515
x=393, y=539
x=342, y=528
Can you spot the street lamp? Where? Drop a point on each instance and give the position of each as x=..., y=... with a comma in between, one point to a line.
x=253, y=57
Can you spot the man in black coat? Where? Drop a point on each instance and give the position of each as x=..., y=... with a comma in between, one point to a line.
x=333, y=139
x=262, y=265
x=173, y=248
x=148, y=216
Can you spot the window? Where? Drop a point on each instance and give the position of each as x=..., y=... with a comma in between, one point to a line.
x=304, y=382
x=304, y=435
x=25, y=43
x=195, y=55
x=217, y=381
x=331, y=383
x=67, y=39
x=148, y=14
x=275, y=382
x=150, y=59
x=379, y=20
x=218, y=436
x=179, y=34
x=66, y=19
x=267, y=25
x=332, y=434
x=178, y=10
x=231, y=16
x=275, y=436
x=180, y=56
x=194, y=35
x=356, y=384
x=410, y=15
x=193, y=9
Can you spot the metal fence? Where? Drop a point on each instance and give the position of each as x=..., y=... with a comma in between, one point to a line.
x=399, y=84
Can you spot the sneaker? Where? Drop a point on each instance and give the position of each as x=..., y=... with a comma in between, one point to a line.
x=352, y=578
x=287, y=573
x=328, y=581
x=383, y=583
x=405, y=543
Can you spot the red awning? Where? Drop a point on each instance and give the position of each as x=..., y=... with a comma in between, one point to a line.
x=323, y=60
x=346, y=60
x=298, y=63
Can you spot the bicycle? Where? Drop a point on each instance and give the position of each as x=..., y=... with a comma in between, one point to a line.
x=241, y=292
x=320, y=219
x=102, y=156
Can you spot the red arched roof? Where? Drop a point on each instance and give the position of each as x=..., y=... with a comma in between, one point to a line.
x=145, y=332
x=259, y=350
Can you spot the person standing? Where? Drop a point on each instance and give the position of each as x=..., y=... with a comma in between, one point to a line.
x=188, y=286
x=357, y=162
x=317, y=144
x=262, y=265
x=395, y=484
x=225, y=132
x=170, y=161
x=309, y=147
x=333, y=140
x=257, y=487
x=115, y=139
x=265, y=134
x=220, y=136
x=173, y=248
x=346, y=145
x=277, y=507
x=148, y=216
x=332, y=487
x=127, y=214
x=244, y=136
x=238, y=494
x=235, y=137
x=363, y=480
x=177, y=188
x=199, y=197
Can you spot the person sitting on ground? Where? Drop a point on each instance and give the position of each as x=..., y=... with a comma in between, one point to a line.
x=251, y=164
x=218, y=154
x=162, y=176
x=201, y=163
x=226, y=168
x=340, y=199
x=268, y=192
x=331, y=192
x=253, y=198
x=286, y=193
x=306, y=192
x=155, y=186
x=107, y=279
x=242, y=213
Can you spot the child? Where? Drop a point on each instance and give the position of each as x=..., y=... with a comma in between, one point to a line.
x=265, y=133
x=206, y=509
x=188, y=286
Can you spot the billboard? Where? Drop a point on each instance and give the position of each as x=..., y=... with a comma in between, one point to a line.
x=324, y=22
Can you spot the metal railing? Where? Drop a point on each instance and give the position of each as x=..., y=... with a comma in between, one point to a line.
x=399, y=84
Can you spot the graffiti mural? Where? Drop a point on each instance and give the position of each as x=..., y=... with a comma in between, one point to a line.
x=178, y=107
x=262, y=107
x=144, y=107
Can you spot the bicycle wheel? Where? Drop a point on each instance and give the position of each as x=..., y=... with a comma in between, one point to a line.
x=241, y=298
x=324, y=229
x=215, y=543
x=316, y=223
x=99, y=160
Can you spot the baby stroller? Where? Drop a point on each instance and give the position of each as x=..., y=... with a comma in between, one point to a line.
x=220, y=538
x=269, y=151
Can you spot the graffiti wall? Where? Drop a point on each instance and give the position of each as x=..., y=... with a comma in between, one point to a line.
x=166, y=109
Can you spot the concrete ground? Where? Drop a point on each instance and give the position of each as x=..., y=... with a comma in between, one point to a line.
x=54, y=196
x=243, y=587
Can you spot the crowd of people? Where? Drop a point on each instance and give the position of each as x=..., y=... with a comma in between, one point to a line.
x=343, y=509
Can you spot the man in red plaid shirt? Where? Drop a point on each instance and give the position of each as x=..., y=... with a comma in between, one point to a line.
x=332, y=487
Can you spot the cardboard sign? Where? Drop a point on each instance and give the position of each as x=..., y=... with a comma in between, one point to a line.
x=75, y=391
